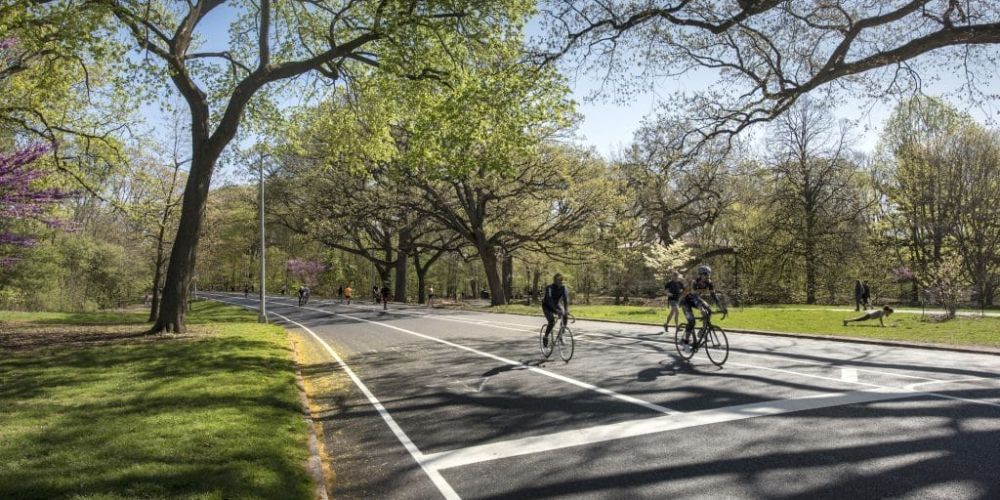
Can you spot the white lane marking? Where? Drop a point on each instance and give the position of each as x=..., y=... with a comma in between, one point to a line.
x=579, y=383
x=911, y=387
x=432, y=472
x=540, y=371
x=973, y=379
x=833, y=362
x=848, y=374
x=634, y=428
x=801, y=374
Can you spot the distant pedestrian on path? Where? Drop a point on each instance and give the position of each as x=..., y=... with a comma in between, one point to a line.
x=430, y=296
x=340, y=293
x=675, y=287
x=385, y=297
x=246, y=291
x=866, y=293
x=348, y=292
x=880, y=315
x=859, y=295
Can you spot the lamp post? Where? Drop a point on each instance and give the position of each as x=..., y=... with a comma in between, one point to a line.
x=262, y=314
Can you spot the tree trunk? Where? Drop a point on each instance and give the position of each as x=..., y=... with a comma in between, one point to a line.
x=810, y=257
x=154, y=306
x=508, y=276
x=402, y=256
x=489, y=257
x=182, y=255
x=421, y=284
x=536, y=276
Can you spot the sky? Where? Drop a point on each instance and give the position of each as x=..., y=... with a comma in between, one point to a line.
x=608, y=125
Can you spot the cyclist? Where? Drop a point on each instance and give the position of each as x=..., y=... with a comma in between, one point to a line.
x=551, y=307
x=692, y=298
x=303, y=295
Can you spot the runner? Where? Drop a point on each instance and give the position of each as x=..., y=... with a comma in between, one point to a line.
x=348, y=292
x=675, y=287
x=385, y=297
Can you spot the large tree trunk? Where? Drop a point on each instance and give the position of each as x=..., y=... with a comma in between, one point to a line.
x=421, y=280
x=488, y=255
x=182, y=256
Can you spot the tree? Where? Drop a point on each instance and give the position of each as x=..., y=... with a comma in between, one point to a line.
x=275, y=42
x=766, y=54
x=22, y=199
x=676, y=192
x=816, y=198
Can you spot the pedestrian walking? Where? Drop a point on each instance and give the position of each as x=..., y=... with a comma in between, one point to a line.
x=430, y=296
x=385, y=297
x=866, y=293
x=675, y=287
x=859, y=295
x=348, y=292
x=340, y=293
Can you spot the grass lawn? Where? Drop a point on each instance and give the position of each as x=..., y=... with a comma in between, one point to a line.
x=812, y=320
x=96, y=410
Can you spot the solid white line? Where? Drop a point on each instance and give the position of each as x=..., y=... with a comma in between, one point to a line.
x=432, y=472
x=540, y=371
x=634, y=428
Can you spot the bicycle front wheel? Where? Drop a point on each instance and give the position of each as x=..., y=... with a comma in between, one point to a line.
x=679, y=343
x=566, y=344
x=546, y=348
x=717, y=346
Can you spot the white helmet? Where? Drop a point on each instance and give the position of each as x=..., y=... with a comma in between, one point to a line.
x=704, y=271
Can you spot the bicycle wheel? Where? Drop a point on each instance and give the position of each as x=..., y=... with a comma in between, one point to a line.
x=717, y=346
x=546, y=349
x=678, y=343
x=566, y=344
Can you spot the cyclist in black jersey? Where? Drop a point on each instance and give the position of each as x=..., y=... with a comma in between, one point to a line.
x=555, y=303
x=692, y=298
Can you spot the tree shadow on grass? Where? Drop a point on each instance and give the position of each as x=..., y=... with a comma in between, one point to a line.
x=213, y=417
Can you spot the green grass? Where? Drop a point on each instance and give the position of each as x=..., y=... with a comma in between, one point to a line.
x=808, y=319
x=213, y=414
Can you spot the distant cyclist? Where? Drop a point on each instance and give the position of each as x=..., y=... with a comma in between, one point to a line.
x=693, y=298
x=303, y=295
x=555, y=304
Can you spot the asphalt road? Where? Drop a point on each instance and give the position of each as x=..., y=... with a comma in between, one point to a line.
x=461, y=405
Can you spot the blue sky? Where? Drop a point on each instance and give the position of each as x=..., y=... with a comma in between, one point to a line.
x=608, y=125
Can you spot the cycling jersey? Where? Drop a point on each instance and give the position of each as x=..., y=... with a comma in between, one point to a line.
x=553, y=295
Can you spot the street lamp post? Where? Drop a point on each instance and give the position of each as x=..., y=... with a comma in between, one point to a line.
x=262, y=315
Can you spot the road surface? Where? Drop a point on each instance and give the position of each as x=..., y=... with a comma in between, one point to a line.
x=460, y=405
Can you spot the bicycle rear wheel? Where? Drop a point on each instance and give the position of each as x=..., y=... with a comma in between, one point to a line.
x=566, y=344
x=716, y=346
x=678, y=342
x=546, y=349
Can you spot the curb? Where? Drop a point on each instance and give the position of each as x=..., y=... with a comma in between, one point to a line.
x=314, y=464
x=832, y=338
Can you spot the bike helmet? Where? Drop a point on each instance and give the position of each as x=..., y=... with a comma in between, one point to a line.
x=704, y=271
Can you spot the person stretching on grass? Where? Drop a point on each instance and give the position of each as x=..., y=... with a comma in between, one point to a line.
x=879, y=315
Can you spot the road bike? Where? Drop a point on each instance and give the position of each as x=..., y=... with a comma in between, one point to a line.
x=563, y=339
x=710, y=337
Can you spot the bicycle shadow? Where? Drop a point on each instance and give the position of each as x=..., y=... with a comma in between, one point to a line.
x=670, y=367
x=524, y=365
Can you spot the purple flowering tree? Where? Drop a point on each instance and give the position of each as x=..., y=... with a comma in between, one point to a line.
x=306, y=270
x=22, y=200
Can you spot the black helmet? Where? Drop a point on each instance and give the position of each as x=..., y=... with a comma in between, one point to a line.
x=704, y=271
